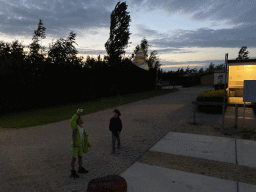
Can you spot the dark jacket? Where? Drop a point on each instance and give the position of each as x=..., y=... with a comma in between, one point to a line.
x=115, y=125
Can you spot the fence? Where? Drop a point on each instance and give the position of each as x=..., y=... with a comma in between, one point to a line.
x=196, y=103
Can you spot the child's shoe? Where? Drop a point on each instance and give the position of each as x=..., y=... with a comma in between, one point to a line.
x=82, y=170
x=74, y=174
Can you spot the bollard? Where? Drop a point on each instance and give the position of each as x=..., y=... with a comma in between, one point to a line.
x=109, y=183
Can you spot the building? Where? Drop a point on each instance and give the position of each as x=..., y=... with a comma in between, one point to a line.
x=240, y=70
x=207, y=79
x=219, y=78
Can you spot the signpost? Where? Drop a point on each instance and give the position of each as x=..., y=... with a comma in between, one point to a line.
x=249, y=94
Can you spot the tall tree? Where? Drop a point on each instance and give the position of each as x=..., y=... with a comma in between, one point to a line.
x=39, y=34
x=243, y=54
x=119, y=33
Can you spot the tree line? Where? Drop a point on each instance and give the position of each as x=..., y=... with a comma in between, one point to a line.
x=194, y=75
x=41, y=78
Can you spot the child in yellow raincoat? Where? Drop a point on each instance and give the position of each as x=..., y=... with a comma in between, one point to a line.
x=79, y=143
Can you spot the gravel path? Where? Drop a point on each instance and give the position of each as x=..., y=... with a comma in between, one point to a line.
x=38, y=158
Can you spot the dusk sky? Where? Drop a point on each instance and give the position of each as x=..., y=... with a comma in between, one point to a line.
x=184, y=32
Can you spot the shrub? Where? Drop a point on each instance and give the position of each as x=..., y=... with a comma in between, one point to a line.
x=211, y=96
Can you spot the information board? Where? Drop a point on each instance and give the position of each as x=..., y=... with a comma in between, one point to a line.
x=249, y=94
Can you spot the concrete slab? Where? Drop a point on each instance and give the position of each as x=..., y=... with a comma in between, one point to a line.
x=246, y=152
x=244, y=187
x=199, y=146
x=142, y=177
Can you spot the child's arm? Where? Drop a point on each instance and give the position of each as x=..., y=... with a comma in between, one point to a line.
x=73, y=122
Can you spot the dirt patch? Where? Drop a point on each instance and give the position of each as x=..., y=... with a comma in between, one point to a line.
x=205, y=167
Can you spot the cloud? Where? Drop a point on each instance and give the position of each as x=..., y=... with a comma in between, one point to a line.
x=143, y=31
x=232, y=11
x=22, y=17
x=91, y=51
x=174, y=51
x=170, y=65
x=243, y=35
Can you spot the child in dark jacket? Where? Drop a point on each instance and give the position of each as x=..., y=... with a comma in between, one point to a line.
x=115, y=126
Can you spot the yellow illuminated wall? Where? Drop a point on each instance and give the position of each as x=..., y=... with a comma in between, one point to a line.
x=239, y=73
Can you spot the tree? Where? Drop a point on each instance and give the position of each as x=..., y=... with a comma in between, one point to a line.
x=144, y=46
x=180, y=71
x=221, y=66
x=119, y=33
x=210, y=69
x=153, y=58
x=63, y=51
x=243, y=54
x=187, y=70
x=201, y=71
x=12, y=56
x=35, y=46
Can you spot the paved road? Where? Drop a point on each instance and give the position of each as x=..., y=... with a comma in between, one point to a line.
x=38, y=158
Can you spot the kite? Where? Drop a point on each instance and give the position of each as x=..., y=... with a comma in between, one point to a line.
x=140, y=60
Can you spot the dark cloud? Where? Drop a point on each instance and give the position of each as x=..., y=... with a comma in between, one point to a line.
x=243, y=35
x=21, y=17
x=18, y=18
x=231, y=11
x=144, y=31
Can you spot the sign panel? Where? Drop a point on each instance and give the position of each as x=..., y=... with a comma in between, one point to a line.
x=249, y=91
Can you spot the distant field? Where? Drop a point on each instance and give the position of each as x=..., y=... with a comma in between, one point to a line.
x=53, y=114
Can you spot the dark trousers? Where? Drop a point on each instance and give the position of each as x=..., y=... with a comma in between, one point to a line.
x=115, y=136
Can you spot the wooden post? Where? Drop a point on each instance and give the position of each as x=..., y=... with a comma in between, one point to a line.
x=224, y=96
x=244, y=116
x=236, y=114
x=223, y=118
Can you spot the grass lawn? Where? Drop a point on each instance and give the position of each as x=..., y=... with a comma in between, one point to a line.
x=53, y=114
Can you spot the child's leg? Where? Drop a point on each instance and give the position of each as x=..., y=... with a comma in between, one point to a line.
x=80, y=161
x=73, y=163
x=74, y=151
x=118, y=141
x=113, y=143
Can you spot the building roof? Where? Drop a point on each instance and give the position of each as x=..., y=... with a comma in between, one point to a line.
x=243, y=62
x=219, y=71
